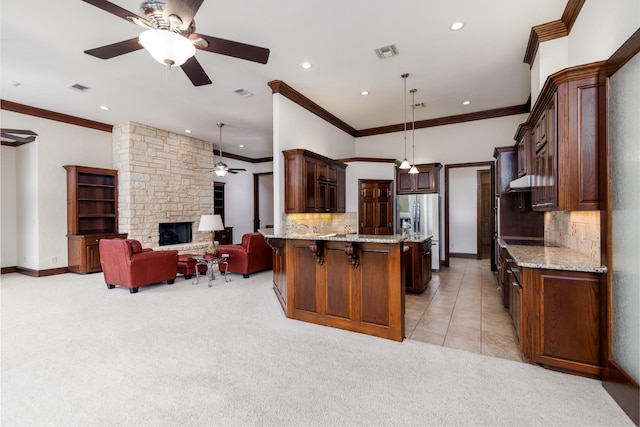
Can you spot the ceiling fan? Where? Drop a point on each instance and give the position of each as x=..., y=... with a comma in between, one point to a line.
x=16, y=137
x=221, y=168
x=171, y=39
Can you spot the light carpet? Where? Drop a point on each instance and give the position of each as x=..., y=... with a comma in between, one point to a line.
x=75, y=353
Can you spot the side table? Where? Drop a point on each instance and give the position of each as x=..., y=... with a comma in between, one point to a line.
x=211, y=263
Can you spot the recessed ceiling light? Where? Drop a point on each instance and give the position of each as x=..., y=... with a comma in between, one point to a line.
x=241, y=145
x=456, y=26
x=306, y=65
x=104, y=107
x=466, y=103
x=364, y=92
x=187, y=130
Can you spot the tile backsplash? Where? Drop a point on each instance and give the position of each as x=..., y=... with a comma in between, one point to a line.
x=578, y=230
x=323, y=222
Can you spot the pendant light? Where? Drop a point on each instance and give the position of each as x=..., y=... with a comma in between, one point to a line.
x=220, y=168
x=405, y=163
x=413, y=169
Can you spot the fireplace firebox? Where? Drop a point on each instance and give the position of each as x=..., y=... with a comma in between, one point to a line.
x=173, y=233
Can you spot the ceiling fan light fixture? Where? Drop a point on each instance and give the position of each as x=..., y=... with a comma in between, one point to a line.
x=167, y=47
x=221, y=169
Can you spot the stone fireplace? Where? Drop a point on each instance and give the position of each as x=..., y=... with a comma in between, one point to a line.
x=161, y=179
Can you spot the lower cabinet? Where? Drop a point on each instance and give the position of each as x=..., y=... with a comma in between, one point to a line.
x=224, y=237
x=84, y=251
x=560, y=320
x=417, y=269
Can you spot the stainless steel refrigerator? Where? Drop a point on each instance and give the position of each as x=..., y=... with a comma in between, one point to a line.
x=419, y=214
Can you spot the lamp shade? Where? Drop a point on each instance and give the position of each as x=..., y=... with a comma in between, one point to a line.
x=210, y=223
x=167, y=47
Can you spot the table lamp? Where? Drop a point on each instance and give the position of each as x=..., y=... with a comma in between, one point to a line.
x=211, y=223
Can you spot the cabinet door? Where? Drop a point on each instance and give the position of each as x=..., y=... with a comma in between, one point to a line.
x=376, y=207
x=341, y=199
x=367, y=208
x=425, y=263
x=93, y=258
x=425, y=181
x=405, y=182
x=311, y=184
x=566, y=334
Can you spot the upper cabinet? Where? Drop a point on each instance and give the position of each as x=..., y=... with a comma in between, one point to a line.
x=565, y=152
x=313, y=183
x=427, y=180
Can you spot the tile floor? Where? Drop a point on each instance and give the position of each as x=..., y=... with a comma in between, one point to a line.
x=462, y=308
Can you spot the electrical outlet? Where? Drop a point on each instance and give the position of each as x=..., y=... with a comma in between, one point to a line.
x=54, y=259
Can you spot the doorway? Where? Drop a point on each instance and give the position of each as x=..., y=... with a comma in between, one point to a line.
x=485, y=230
x=460, y=180
x=262, y=200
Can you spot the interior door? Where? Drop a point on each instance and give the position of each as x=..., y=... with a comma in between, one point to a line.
x=375, y=209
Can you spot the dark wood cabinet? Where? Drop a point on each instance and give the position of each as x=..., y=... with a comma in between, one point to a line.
x=224, y=237
x=524, y=145
x=566, y=138
x=561, y=316
x=313, y=183
x=92, y=214
x=376, y=207
x=418, y=272
x=427, y=180
x=514, y=215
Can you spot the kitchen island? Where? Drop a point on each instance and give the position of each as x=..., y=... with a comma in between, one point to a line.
x=348, y=281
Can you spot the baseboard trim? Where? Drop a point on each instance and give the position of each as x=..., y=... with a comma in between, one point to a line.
x=7, y=270
x=461, y=255
x=41, y=273
x=624, y=390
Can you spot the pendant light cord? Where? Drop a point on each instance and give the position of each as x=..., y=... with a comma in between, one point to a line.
x=413, y=124
x=404, y=77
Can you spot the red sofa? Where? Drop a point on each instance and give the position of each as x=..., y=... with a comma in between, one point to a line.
x=252, y=255
x=125, y=263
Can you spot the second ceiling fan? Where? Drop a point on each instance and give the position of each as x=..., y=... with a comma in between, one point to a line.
x=171, y=39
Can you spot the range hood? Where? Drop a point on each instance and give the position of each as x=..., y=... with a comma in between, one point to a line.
x=524, y=183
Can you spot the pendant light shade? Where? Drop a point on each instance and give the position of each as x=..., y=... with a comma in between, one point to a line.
x=405, y=163
x=414, y=169
x=220, y=168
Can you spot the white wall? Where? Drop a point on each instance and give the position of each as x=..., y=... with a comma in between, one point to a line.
x=8, y=207
x=40, y=241
x=460, y=143
x=238, y=196
x=602, y=27
x=295, y=127
x=463, y=219
x=365, y=170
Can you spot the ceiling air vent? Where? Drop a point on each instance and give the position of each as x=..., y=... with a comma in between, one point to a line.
x=78, y=87
x=243, y=93
x=386, y=51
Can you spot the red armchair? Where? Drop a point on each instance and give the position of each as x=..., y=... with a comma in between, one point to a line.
x=125, y=263
x=254, y=254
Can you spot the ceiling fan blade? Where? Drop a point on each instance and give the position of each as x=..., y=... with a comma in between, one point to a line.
x=184, y=9
x=195, y=72
x=16, y=138
x=20, y=131
x=113, y=9
x=116, y=49
x=237, y=169
x=235, y=49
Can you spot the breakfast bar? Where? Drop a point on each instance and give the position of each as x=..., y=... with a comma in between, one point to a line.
x=347, y=281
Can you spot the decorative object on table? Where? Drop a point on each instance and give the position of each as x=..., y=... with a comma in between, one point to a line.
x=253, y=255
x=211, y=223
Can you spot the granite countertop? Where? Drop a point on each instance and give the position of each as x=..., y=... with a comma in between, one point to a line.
x=552, y=258
x=275, y=233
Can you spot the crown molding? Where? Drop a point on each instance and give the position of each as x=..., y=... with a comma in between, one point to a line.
x=552, y=30
x=52, y=115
